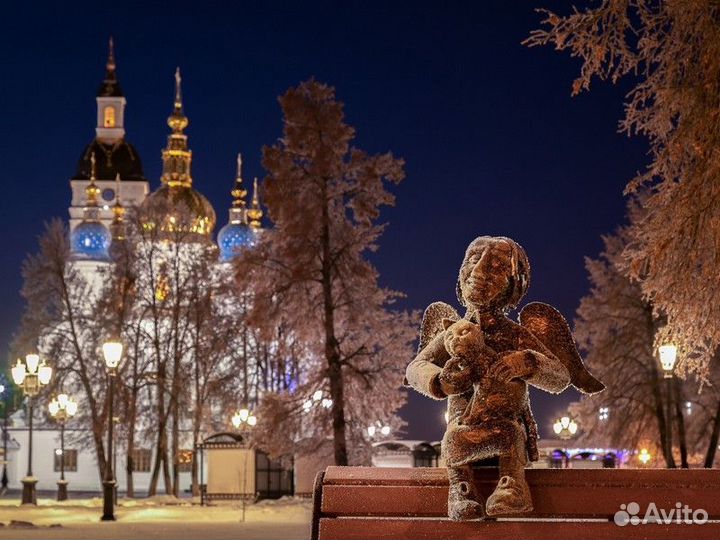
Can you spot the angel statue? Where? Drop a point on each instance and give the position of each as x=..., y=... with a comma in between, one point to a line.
x=483, y=364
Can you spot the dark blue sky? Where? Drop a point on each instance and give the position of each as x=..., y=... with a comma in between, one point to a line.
x=494, y=143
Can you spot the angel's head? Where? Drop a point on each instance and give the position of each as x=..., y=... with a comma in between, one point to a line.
x=463, y=338
x=495, y=274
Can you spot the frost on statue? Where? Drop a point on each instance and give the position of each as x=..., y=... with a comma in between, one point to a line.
x=483, y=364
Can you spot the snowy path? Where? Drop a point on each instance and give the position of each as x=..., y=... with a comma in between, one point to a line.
x=154, y=519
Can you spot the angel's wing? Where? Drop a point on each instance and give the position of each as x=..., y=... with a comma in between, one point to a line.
x=431, y=324
x=549, y=326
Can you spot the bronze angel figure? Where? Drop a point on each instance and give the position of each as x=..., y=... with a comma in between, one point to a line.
x=483, y=363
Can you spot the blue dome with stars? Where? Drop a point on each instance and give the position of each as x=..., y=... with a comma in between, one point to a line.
x=91, y=240
x=232, y=238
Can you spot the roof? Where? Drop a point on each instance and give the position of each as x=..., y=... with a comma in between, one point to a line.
x=111, y=159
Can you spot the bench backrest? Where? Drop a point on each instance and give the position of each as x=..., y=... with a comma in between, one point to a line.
x=577, y=494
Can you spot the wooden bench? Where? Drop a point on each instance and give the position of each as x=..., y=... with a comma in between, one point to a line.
x=368, y=502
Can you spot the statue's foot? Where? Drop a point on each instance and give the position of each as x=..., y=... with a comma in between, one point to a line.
x=511, y=496
x=466, y=511
x=461, y=505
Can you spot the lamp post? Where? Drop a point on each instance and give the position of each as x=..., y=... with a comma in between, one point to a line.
x=30, y=376
x=112, y=352
x=61, y=409
x=668, y=356
x=4, y=481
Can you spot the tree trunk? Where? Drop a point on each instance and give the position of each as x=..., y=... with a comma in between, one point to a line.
x=129, y=460
x=195, y=472
x=167, y=479
x=332, y=352
x=681, y=423
x=161, y=449
x=714, y=436
x=661, y=417
x=176, y=449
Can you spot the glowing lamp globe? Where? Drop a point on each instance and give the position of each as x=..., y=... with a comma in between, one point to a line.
x=54, y=407
x=72, y=408
x=32, y=361
x=252, y=420
x=371, y=431
x=385, y=430
x=243, y=413
x=668, y=355
x=18, y=373
x=236, y=420
x=112, y=351
x=44, y=373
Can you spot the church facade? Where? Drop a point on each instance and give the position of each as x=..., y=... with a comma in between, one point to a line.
x=109, y=181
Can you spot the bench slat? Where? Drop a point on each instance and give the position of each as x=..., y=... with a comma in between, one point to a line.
x=360, y=491
x=432, y=529
x=586, y=477
x=554, y=501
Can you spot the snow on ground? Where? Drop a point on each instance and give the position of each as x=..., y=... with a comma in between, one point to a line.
x=158, y=517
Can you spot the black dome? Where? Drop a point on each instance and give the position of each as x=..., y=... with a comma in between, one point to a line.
x=110, y=159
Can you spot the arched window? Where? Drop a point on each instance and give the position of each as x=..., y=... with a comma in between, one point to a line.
x=109, y=117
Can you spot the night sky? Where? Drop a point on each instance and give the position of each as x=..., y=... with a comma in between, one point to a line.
x=493, y=142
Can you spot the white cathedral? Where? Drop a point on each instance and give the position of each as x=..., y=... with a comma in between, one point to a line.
x=109, y=179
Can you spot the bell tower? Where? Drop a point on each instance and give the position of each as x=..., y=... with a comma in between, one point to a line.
x=110, y=103
x=109, y=156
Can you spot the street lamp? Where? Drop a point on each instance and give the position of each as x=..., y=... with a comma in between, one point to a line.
x=565, y=427
x=62, y=408
x=30, y=376
x=379, y=428
x=644, y=456
x=112, y=352
x=318, y=398
x=668, y=355
x=243, y=416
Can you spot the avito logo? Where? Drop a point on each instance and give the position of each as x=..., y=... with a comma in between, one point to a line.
x=681, y=515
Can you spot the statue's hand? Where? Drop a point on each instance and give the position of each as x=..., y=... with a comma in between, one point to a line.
x=457, y=376
x=514, y=365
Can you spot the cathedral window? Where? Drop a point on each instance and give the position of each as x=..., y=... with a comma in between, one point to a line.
x=109, y=117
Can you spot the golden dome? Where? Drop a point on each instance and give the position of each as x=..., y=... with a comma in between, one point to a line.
x=178, y=209
x=176, y=206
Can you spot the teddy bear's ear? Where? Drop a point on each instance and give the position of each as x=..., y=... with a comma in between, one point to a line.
x=447, y=323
